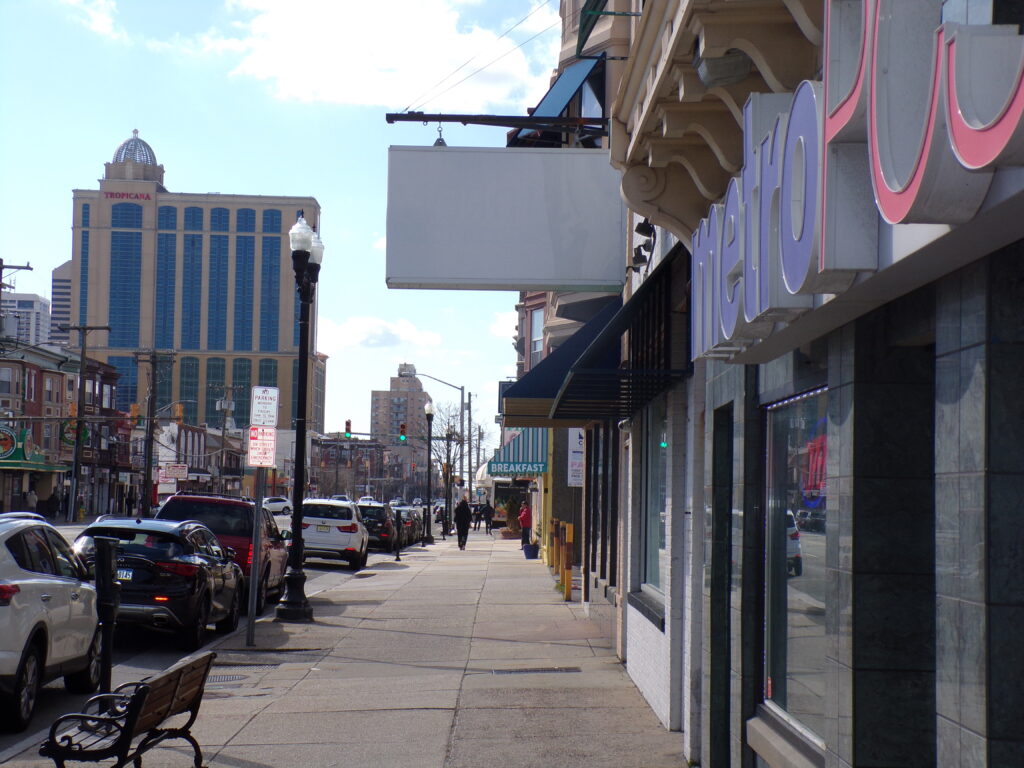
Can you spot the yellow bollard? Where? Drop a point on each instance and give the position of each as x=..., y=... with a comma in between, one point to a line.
x=567, y=563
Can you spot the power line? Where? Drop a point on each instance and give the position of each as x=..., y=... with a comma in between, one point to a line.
x=425, y=97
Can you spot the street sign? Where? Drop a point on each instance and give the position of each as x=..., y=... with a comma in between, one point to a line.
x=174, y=471
x=263, y=406
x=262, y=447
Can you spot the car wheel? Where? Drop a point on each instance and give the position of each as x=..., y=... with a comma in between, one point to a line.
x=193, y=637
x=366, y=554
x=261, y=595
x=356, y=562
x=86, y=680
x=286, y=511
x=21, y=705
x=798, y=566
x=230, y=622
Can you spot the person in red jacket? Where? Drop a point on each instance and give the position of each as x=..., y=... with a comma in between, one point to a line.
x=525, y=522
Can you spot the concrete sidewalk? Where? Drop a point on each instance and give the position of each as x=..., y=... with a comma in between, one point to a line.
x=448, y=658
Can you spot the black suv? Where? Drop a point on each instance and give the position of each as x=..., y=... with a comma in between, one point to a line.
x=230, y=517
x=380, y=524
x=174, y=576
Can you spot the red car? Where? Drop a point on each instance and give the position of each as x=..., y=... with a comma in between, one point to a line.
x=230, y=518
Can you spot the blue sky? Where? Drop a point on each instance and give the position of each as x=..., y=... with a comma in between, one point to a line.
x=275, y=97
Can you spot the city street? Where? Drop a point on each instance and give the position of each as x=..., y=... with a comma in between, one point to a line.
x=448, y=659
x=138, y=653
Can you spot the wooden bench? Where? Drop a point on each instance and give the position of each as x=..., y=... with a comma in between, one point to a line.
x=128, y=722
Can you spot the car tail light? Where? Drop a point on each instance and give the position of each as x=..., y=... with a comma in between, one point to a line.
x=305, y=526
x=350, y=528
x=161, y=599
x=794, y=535
x=248, y=556
x=179, y=569
x=8, y=591
x=384, y=535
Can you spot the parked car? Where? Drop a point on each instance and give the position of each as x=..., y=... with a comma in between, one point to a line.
x=48, y=616
x=334, y=529
x=412, y=525
x=277, y=505
x=230, y=518
x=341, y=497
x=794, y=552
x=380, y=524
x=175, y=576
x=811, y=520
x=368, y=500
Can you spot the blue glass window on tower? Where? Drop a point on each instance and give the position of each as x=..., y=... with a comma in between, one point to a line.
x=192, y=292
x=214, y=389
x=125, y=288
x=166, y=217
x=194, y=218
x=246, y=220
x=85, y=214
x=126, y=215
x=217, y=304
x=127, y=385
x=241, y=380
x=166, y=284
x=83, y=282
x=220, y=220
x=268, y=373
x=270, y=294
x=188, y=387
x=245, y=290
x=271, y=220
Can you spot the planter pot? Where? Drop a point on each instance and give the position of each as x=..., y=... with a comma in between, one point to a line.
x=531, y=551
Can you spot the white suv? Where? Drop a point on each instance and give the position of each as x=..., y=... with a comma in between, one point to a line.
x=334, y=529
x=48, y=615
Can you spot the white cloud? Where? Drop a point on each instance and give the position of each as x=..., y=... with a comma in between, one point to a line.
x=504, y=324
x=98, y=16
x=390, y=55
x=374, y=333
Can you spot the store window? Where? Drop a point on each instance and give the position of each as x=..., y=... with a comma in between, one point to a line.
x=654, y=504
x=796, y=593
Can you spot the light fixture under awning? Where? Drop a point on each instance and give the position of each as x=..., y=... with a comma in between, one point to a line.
x=524, y=454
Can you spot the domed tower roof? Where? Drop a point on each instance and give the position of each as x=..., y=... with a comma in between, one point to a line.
x=135, y=150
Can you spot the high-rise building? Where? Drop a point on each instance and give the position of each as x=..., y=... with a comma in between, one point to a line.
x=205, y=277
x=60, y=303
x=402, y=404
x=26, y=317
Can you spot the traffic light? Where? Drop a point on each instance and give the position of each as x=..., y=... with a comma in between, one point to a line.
x=414, y=466
x=348, y=428
x=401, y=432
x=134, y=411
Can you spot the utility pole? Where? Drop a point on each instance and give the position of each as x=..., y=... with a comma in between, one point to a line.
x=225, y=402
x=154, y=358
x=76, y=464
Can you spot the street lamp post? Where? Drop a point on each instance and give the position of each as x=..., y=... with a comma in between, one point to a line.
x=307, y=253
x=462, y=418
x=428, y=524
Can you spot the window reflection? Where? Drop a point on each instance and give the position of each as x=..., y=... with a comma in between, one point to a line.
x=796, y=495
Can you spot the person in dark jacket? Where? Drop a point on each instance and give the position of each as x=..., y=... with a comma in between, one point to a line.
x=463, y=517
x=487, y=513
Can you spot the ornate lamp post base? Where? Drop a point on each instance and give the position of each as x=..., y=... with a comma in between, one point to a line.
x=294, y=606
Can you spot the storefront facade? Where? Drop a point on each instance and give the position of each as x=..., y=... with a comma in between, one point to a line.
x=856, y=317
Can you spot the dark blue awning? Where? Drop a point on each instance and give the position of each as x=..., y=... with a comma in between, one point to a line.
x=557, y=99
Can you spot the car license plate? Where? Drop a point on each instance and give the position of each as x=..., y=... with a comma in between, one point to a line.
x=124, y=574
x=323, y=528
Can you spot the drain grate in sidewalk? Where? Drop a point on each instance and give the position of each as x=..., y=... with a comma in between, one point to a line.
x=225, y=678
x=246, y=666
x=535, y=670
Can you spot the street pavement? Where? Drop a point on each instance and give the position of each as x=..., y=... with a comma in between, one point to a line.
x=448, y=658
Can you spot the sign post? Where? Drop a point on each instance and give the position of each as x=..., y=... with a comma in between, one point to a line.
x=262, y=453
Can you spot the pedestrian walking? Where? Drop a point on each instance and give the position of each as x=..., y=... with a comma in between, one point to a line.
x=487, y=513
x=476, y=517
x=525, y=522
x=463, y=517
x=32, y=499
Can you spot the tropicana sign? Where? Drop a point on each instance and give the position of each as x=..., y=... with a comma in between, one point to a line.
x=912, y=121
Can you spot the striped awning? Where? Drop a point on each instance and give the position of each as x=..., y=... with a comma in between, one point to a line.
x=524, y=454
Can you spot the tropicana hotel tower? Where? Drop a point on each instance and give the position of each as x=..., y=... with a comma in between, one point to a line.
x=207, y=277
